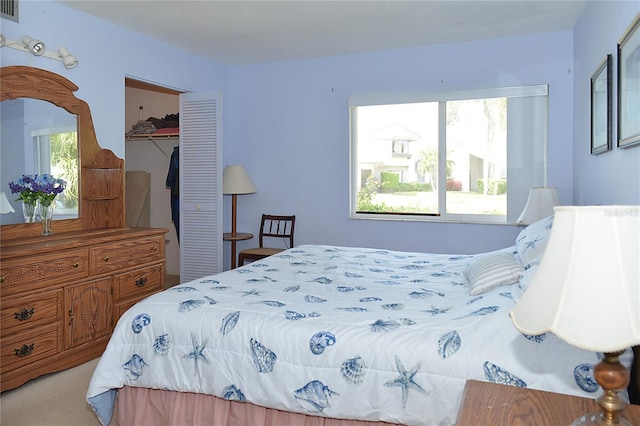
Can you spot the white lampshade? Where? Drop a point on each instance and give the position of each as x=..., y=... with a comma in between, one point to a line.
x=587, y=287
x=235, y=180
x=5, y=205
x=539, y=205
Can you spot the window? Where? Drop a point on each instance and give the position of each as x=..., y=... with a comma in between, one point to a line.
x=466, y=156
x=56, y=153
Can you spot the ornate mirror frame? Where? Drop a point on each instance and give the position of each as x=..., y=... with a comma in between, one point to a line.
x=101, y=181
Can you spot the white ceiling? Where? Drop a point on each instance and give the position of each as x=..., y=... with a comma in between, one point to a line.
x=241, y=32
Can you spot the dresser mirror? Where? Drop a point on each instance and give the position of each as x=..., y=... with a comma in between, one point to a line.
x=38, y=137
x=42, y=103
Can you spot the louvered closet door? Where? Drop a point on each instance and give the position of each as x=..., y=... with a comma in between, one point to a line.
x=200, y=174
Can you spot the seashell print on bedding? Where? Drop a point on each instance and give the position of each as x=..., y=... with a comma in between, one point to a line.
x=354, y=370
x=370, y=299
x=232, y=393
x=183, y=289
x=583, y=375
x=189, y=305
x=320, y=341
x=133, y=367
x=273, y=303
x=448, y=344
x=481, y=312
x=499, y=375
x=538, y=339
x=263, y=358
x=352, y=275
x=345, y=289
x=352, y=309
x=314, y=396
x=292, y=288
x=294, y=316
x=229, y=321
x=211, y=300
x=209, y=281
x=139, y=322
x=161, y=345
x=393, y=306
x=384, y=325
x=314, y=299
x=323, y=280
x=388, y=282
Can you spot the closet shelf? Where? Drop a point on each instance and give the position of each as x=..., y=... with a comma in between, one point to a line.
x=149, y=136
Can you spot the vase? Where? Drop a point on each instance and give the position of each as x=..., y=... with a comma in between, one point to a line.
x=29, y=211
x=46, y=213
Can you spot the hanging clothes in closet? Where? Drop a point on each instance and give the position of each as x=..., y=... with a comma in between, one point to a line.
x=172, y=183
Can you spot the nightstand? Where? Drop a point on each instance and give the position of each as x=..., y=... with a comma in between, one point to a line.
x=491, y=404
x=239, y=236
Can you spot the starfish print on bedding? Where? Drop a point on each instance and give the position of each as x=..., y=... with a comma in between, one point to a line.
x=197, y=353
x=252, y=292
x=531, y=244
x=405, y=381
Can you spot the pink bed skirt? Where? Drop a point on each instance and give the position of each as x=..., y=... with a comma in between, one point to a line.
x=152, y=407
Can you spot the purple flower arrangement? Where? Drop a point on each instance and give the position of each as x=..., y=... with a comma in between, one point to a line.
x=32, y=188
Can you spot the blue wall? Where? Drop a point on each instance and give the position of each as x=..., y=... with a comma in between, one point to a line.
x=612, y=177
x=289, y=127
x=287, y=122
x=107, y=54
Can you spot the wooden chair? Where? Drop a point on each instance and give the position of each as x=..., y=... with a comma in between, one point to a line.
x=272, y=226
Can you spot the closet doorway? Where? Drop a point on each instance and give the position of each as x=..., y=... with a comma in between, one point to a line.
x=147, y=161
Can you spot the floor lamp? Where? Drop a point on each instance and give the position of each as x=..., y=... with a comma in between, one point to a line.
x=235, y=181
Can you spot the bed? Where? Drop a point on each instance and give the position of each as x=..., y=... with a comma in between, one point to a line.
x=324, y=335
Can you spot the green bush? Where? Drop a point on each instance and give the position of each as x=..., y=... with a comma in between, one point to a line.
x=389, y=181
x=500, y=184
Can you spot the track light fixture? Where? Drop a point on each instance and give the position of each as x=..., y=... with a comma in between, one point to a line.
x=37, y=48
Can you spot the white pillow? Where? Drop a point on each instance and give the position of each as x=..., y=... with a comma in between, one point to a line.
x=491, y=270
x=532, y=241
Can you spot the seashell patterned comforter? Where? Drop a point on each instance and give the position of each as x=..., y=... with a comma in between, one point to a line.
x=341, y=332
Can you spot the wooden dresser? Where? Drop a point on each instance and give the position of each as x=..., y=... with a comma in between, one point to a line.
x=61, y=296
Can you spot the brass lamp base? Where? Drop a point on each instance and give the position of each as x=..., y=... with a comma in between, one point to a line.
x=612, y=377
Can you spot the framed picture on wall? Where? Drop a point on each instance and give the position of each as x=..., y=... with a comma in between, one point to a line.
x=629, y=86
x=601, y=102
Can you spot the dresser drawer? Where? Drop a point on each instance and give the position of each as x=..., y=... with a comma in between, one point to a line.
x=23, y=313
x=138, y=283
x=29, y=346
x=120, y=255
x=26, y=274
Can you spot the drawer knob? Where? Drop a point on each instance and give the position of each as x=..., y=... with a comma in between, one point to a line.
x=155, y=248
x=141, y=282
x=106, y=258
x=76, y=264
x=25, y=350
x=1, y=279
x=24, y=314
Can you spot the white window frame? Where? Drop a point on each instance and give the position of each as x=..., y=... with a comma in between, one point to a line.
x=520, y=178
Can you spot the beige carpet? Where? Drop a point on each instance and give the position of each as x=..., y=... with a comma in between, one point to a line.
x=56, y=399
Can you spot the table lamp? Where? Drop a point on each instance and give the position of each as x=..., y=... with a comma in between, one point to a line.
x=539, y=205
x=235, y=180
x=586, y=291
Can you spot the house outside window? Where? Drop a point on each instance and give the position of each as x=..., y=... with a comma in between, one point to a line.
x=466, y=156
